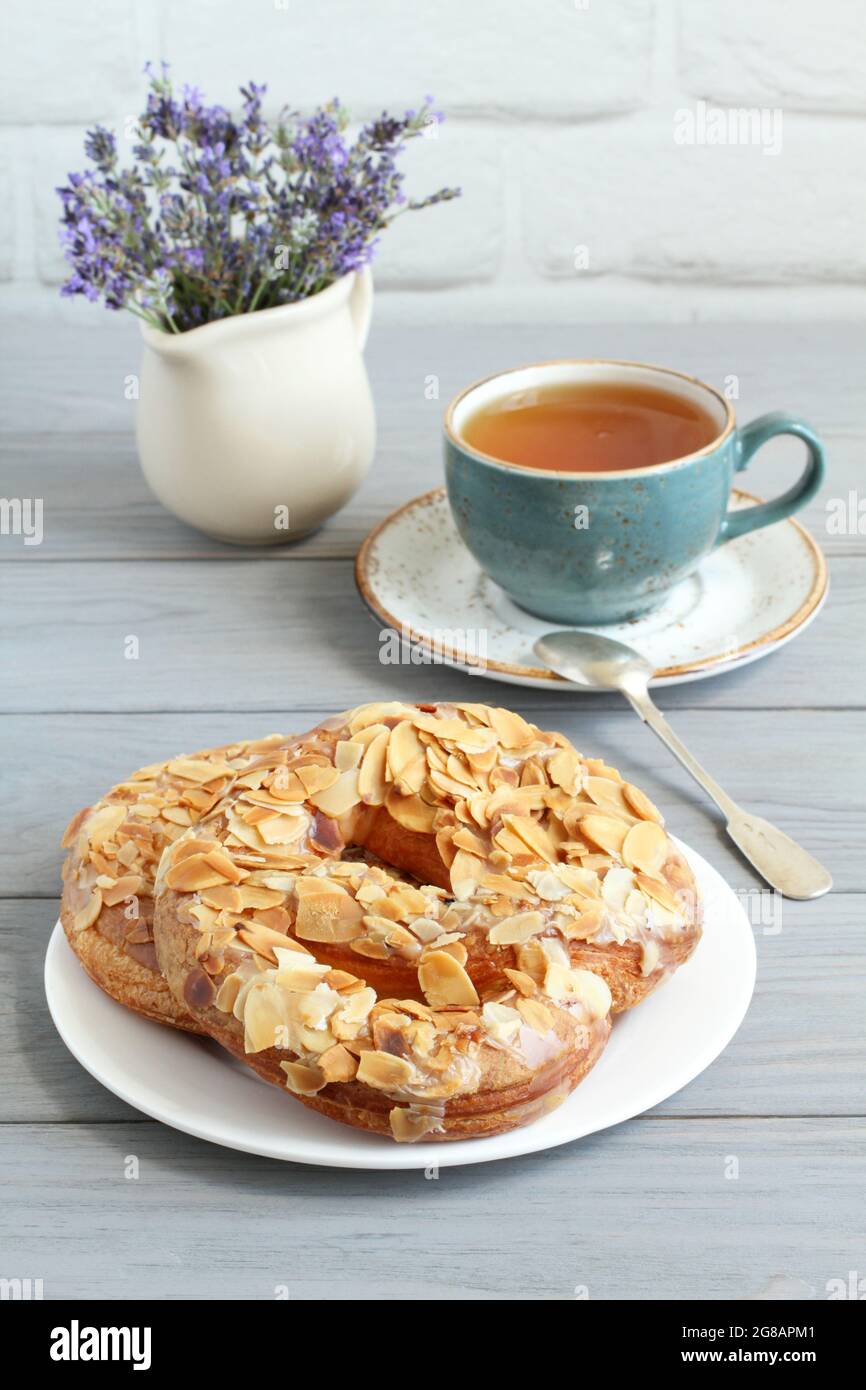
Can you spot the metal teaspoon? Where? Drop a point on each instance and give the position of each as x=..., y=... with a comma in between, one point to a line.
x=599, y=663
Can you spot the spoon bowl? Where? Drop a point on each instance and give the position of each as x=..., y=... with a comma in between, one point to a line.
x=594, y=662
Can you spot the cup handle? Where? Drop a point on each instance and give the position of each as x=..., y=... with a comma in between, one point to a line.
x=361, y=304
x=748, y=441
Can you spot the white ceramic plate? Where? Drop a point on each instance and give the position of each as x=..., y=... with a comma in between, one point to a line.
x=197, y=1087
x=747, y=599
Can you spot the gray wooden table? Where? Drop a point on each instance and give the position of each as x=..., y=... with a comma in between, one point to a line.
x=238, y=643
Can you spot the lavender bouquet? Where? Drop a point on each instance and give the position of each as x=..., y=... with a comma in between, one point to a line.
x=222, y=215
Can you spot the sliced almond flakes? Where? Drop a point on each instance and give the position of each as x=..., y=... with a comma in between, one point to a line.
x=535, y=1014
x=384, y=1071
x=443, y=980
x=372, y=783
x=640, y=803
x=304, y=1080
x=516, y=929
x=646, y=847
x=605, y=832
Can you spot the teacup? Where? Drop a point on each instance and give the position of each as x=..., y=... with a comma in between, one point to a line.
x=590, y=547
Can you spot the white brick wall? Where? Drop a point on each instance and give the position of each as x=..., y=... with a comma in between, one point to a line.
x=519, y=59
x=725, y=215
x=579, y=203
x=805, y=57
x=61, y=62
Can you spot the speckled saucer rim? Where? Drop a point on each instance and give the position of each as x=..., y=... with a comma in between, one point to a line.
x=724, y=661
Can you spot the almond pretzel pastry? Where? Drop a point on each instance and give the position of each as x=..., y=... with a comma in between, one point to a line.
x=417, y=918
x=114, y=849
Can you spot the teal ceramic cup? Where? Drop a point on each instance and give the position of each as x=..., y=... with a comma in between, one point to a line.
x=606, y=547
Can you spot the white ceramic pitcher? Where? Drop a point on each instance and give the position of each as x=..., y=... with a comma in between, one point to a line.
x=256, y=429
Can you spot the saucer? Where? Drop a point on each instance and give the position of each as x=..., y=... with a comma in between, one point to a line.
x=747, y=599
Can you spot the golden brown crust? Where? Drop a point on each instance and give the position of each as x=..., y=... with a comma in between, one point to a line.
x=114, y=849
x=512, y=1089
x=416, y=919
x=621, y=966
x=489, y=1111
x=288, y=923
x=136, y=986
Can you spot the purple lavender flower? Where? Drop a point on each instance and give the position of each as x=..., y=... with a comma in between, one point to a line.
x=221, y=215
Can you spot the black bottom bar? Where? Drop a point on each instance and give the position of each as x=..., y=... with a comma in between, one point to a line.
x=69, y=1338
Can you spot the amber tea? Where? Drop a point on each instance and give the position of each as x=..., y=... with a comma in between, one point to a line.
x=590, y=428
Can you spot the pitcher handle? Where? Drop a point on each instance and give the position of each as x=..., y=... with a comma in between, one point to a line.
x=361, y=304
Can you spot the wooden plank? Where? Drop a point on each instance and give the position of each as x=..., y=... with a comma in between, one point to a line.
x=802, y=1047
x=98, y=506
x=645, y=1211
x=256, y=636
x=55, y=764
x=88, y=356
x=41, y=1079
x=115, y=516
x=801, y=1050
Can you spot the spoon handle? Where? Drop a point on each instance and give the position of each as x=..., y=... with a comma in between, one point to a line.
x=784, y=864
